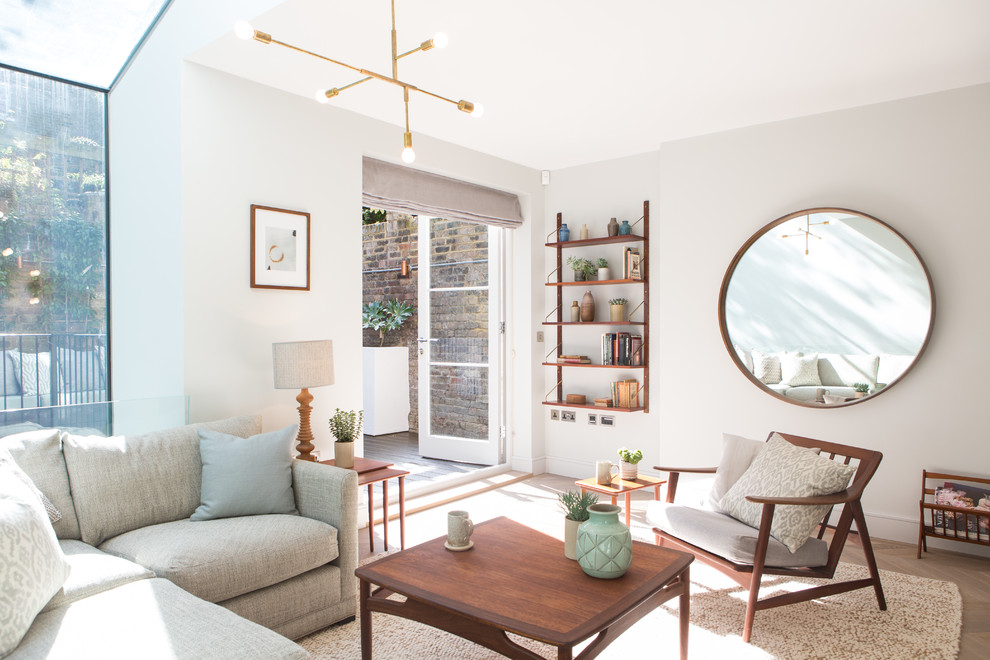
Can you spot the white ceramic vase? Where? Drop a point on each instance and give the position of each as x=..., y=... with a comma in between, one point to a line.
x=570, y=537
x=603, y=274
x=628, y=471
x=343, y=454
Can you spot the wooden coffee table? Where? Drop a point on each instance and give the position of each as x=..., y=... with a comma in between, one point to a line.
x=516, y=579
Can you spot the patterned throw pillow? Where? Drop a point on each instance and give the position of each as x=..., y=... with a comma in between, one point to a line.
x=797, y=369
x=766, y=367
x=32, y=566
x=33, y=371
x=784, y=470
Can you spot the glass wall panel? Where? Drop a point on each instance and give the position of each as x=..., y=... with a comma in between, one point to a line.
x=53, y=238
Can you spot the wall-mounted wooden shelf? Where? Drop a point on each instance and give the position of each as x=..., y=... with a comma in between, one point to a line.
x=560, y=324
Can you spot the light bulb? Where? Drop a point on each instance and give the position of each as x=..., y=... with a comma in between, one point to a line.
x=478, y=110
x=34, y=301
x=243, y=30
x=408, y=155
x=321, y=96
x=440, y=40
x=35, y=273
x=7, y=252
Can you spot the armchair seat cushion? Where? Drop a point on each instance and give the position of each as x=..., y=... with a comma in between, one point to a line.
x=729, y=538
x=221, y=559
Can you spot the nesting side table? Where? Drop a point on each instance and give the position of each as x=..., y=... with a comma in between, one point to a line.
x=371, y=472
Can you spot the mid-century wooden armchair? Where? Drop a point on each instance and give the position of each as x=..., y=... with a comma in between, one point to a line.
x=748, y=574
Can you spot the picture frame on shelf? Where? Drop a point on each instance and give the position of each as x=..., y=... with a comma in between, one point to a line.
x=280, y=248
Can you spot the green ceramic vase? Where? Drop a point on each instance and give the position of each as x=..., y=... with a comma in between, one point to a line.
x=604, y=545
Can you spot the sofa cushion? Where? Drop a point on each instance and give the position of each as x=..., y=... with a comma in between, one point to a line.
x=32, y=371
x=737, y=455
x=785, y=470
x=39, y=454
x=7, y=461
x=126, y=482
x=726, y=537
x=766, y=367
x=282, y=606
x=32, y=567
x=152, y=620
x=246, y=476
x=92, y=571
x=221, y=559
x=798, y=369
x=839, y=369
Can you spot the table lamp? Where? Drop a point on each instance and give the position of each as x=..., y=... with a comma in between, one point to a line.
x=302, y=365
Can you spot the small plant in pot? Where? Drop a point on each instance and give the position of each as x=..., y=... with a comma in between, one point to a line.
x=628, y=465
x=345, y=425
x=385, y=316
x=617, y=310
x=583, y=269
x=602, y=264
x=862, y=389
x=575, y=505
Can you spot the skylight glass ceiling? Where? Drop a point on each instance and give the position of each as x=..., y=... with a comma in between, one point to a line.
x=77, y=40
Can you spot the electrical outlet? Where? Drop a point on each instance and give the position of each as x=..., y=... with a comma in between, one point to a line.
x=592, y=418
x=608, y=420
x=539, y=336
x=568, y=416
x=554, y=415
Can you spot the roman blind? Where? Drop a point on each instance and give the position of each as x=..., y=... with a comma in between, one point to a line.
x=398, y=188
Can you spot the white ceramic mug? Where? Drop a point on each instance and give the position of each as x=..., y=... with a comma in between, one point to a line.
x=459, y=529
x=603, y=472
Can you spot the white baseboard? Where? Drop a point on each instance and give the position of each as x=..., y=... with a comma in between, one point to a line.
x=530, y=465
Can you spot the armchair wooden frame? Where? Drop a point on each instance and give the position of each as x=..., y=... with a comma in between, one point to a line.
x=749, y=576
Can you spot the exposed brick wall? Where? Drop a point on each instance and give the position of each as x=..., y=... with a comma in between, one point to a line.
x=460, y=319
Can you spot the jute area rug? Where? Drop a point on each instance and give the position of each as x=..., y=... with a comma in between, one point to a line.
x=923, y=620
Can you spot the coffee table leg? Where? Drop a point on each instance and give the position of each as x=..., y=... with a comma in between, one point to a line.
x=684, y=611
x=385, y=511
x=402, y=512
x=565, y=653
x=365, y=588
x=371, y=517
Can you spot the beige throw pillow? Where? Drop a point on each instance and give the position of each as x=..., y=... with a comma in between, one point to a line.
x=797, y=369
x=785, y=470
x=766, y=367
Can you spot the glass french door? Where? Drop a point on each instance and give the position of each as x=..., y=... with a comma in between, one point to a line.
x=460, y=342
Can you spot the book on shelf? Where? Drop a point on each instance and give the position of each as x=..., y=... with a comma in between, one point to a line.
x=617, y=349
x=631, y=269
x=636, y=350
x=573, y=359
x=975, y=525
x=625, y=393
x=603, y=402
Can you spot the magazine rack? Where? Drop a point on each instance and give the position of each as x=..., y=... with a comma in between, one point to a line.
x=969, y=525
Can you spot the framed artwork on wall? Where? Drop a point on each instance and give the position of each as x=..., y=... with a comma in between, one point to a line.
x=279, y=248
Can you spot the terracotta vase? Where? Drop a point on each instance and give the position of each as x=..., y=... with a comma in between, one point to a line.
x=588, y=307
x=343, y=454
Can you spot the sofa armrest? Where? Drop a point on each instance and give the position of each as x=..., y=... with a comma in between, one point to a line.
x=330, y=494
x=842, y=497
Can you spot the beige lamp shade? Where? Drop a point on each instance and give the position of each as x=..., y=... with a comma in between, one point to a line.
x=302, y=364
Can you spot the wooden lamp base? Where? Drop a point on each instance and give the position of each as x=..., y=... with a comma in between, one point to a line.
x=305, y=436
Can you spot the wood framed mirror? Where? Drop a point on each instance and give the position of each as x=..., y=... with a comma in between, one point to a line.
x=826, y=307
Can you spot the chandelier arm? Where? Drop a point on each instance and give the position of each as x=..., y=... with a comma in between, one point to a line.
x=331, y=60
x=436, y=96
x=353, y=84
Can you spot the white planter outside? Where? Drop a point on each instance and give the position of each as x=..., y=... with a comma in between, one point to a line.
x=386, y=389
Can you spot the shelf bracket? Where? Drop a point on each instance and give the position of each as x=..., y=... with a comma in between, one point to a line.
x=551, y=351
x=638, y=221
x=552, y=232
x=546, y=397
x=629, y=316
x=552, y=311
x=555, y=270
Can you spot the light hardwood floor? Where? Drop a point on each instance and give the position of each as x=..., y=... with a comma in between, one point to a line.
x=534, y=501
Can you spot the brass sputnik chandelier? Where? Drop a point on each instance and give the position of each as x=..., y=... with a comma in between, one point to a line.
x=244, y=30
x=806, y=232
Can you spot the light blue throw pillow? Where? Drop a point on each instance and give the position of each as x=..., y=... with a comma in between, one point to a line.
x=246, y=476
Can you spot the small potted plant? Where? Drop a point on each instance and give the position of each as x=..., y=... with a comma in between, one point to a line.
x=583, y=268
x=617, y=310
x=576, y=507
x=602, y=263
x=385, y=316
x=862, y=389
x=628, y=465
x=345, y=425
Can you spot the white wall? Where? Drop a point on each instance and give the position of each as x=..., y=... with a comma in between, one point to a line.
x=247, y=144
x=920, y=165
x=191, y=150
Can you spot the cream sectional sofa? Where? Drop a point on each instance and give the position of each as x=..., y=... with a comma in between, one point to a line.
x=146, y=581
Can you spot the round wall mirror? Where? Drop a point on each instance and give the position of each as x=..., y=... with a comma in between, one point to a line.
x=826, y=307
